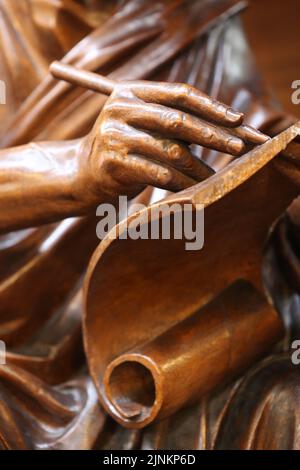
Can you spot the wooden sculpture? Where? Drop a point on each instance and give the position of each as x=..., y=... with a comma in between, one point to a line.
x=233, y=202
x=136, y=100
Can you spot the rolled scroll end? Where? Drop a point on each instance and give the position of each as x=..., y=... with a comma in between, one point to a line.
x=191, y=358
x=132, y=387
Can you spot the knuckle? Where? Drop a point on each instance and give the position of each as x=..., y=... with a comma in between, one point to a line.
x=112, y=138
x=112, y=162
x=113, y=107
x=208, y=135
x=219, y=107
x=213, y=102
x=112, y=128
x=175, y=120
x=164, y=176
x=175, y=152
x=109, y=108
x=183, y=91
x=107, y=131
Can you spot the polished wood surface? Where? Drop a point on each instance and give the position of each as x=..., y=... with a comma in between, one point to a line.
x=242, y=200
x=142, y=384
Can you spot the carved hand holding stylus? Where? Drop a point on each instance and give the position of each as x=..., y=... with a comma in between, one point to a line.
x=143, y=132
x=140, y=138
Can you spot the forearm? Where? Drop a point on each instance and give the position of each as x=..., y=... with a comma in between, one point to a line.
x=41, y=183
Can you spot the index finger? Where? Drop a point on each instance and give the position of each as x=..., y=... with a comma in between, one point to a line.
x=187, y=98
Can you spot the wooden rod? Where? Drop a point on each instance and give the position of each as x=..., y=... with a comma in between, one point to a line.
x=82, y=78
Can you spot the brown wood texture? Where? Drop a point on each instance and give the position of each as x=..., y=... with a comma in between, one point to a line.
x=274, y=37
x=191, y=358
x=232, y=202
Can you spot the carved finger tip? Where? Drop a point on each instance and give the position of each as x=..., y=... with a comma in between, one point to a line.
x=234, y=117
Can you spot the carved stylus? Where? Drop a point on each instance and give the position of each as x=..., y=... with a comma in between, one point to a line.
x=104, y=85
x=82, y=78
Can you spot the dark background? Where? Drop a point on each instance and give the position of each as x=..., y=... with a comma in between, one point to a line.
x=273, y=29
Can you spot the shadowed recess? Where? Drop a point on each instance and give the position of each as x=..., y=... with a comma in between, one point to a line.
x=131, y=388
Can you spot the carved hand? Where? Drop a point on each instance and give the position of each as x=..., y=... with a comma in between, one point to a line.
x=140, y=138
x=142, y=134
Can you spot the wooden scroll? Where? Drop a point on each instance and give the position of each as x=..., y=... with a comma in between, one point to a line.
x=159, y=284
x=193, y=357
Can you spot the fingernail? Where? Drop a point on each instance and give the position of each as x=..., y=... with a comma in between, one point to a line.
x=263, y=137
x=234, y=116
x=255, y=135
